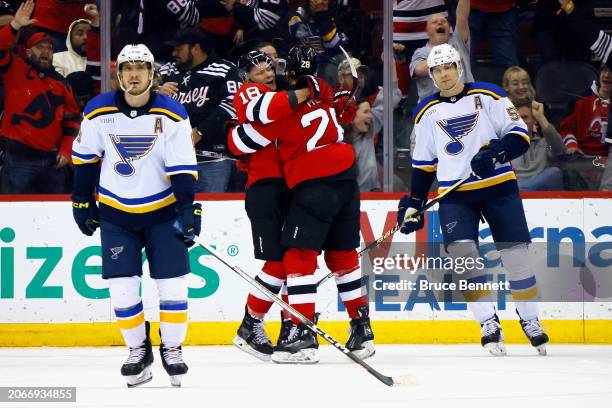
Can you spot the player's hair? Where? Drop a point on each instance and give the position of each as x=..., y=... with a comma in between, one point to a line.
x=523, y=102
x=515, y=69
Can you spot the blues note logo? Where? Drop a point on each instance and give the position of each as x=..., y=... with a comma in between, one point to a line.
x=131, y=148
x=456, y=128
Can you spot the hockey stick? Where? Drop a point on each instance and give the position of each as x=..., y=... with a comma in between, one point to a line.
x=390, y=381
x=213, y=155
x=393, y=230
x=355, y=79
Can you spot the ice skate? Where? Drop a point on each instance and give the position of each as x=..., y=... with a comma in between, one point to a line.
x=300, y=347
x=533, y=330
x=252, y=338
x=493, y=336
x=172, y=360
x=361, y=341
x=287, y=326
x=137, y=368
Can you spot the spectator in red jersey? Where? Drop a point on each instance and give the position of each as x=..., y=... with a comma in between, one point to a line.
x=55, y=16
x=496, y=21
x=584, y=130
x=41, y=117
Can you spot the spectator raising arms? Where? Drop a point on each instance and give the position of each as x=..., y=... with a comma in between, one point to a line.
x=584, y=131
x=533, y=169
x=41, y=117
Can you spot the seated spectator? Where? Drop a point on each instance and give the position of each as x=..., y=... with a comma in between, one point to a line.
x=439, y=32
x=584, y=131
x=41, y=117
x=533, y=169
x=517, y=84
x=75, y=58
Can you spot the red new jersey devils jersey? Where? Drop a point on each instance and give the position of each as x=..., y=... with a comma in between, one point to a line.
x=264, y=163
x=309, y=137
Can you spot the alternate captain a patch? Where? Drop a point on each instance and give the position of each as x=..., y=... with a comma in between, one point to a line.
x=457, y=128
x=130, y=148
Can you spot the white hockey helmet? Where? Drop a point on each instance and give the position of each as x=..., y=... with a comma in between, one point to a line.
x=133, y=53
x=444, y=54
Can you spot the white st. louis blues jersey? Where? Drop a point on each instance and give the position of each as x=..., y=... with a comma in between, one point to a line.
x=139, y=149
x=450, y=131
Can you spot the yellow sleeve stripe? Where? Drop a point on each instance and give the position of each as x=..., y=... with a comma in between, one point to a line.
x=429, y=169
x=524, y=136
x=105, y=109
x=294, y=20
x=166, y=112
x=79, y=161
x=422, y=111
x=484, y=91
x=327, y=37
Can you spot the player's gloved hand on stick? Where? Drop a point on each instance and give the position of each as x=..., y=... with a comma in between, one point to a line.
x=189, y=223
x=406, y=208
x=85, y=213
x=483, y=162
x=310, y=82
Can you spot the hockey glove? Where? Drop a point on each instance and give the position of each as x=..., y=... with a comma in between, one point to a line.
x=310, y=82
x=483, y=162
x=189, y=223
x=85, y=213
x=406, y=208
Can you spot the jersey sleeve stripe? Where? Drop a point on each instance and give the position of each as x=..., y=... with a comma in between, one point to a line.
x=263, y=109
x=101, y=111
x=250, y=114
x=182, y=169
x=167, y=113
x=422, y=111
x=521, y=132
x=79, y=158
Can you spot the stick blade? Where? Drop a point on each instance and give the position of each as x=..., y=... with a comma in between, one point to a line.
x=403, y=380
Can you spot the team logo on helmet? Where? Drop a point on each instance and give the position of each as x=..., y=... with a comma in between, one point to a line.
x=130, y=148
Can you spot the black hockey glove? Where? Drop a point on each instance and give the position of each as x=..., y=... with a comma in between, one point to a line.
x=189, y=223
x=85, y=213
x=407, y=207
x=310, y=82
x=483, y=162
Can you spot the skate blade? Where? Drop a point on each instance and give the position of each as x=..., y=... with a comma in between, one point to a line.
x=541, y=349
x=496, y=349
x=244, y=346
x=135, y=380
x=306, y=356
x=175, y=380
x=367, y=351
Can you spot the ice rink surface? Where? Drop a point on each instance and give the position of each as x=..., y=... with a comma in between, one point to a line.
x=446, y=376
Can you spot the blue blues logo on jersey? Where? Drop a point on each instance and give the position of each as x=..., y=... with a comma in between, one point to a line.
x=129, y=148
x=456, y=128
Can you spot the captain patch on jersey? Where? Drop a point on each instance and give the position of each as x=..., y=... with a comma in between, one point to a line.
x=131, y=143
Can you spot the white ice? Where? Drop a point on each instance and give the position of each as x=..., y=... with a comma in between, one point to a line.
x=447, y=376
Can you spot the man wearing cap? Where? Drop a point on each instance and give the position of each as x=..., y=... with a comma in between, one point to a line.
x=205, y=85
x=41, y=117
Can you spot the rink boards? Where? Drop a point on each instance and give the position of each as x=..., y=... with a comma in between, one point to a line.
x=51, y=292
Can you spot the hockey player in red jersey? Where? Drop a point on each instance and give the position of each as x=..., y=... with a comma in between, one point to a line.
x=324, y=208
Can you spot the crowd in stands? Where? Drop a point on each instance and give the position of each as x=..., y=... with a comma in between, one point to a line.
x=552, y=57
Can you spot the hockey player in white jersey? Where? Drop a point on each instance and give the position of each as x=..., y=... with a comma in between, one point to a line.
x=474, y=128
x=139, y=144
